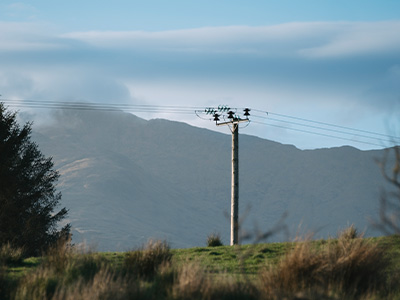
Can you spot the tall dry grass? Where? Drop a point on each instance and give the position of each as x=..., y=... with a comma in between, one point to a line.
x=105, y=285
x=193, y=282
x=349, y=266
x=145, y=262
x=10, y=254
x=62, y=267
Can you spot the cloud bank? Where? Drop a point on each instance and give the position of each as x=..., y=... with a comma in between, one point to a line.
x=314, y=69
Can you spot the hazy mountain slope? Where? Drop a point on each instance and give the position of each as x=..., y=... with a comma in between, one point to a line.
x=322, y=189
x=125, y=180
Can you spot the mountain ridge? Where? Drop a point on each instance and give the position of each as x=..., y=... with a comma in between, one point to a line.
x=125, y=179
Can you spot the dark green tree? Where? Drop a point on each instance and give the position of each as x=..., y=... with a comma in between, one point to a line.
x=28, y=196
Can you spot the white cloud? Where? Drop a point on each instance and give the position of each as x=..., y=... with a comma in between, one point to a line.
x=309, y=40
x=359, y=39
x=308, y=69
x=232, y=39
x=319, y=39
x=28, y=37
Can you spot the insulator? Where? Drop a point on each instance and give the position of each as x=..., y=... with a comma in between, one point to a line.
x=230, y=114
x=223, y=108
x=216, y=117
x=246, y=112
x=210, y=111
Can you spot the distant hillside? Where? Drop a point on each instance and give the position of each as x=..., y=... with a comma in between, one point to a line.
x=125, y=180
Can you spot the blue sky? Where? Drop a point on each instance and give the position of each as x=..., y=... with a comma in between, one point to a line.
x=330, y=61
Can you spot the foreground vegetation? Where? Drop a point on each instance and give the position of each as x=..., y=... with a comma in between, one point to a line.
x=348, y=267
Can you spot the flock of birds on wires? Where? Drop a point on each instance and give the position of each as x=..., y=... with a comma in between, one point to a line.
x=224, y=113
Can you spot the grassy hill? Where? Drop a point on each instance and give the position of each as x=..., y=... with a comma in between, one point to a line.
x=344, y=268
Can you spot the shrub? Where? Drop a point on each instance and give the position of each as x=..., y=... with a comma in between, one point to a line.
x=214, y=240
x=145, y=262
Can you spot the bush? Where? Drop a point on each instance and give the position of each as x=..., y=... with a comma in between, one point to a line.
x=144, y=263
x=214, y=240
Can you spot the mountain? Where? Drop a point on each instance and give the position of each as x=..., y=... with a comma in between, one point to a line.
x=125, y=180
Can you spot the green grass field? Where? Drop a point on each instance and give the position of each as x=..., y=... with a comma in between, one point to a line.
x=243, y=272
x=243, y=259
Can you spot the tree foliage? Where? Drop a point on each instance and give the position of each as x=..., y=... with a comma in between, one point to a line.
x=389, y=211
x=28, y=196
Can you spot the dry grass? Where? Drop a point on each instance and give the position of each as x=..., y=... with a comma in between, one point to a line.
x=106, y=285
x=345, y=268
x=10, y=255
x=58, y=256
x=193, y=282
x=144, y=263
x=349, y=266
x=62, y=267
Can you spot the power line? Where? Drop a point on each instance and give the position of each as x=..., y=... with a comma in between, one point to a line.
x=327, y=124
x=354, y=134
x=318, y=133
x=373, y=138
x=100, y=106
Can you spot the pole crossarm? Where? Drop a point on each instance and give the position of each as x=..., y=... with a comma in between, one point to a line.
x=233, y=122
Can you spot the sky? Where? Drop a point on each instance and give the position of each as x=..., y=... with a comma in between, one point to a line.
x=298, y=65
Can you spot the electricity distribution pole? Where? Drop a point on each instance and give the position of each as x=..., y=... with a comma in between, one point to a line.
x=231, y=119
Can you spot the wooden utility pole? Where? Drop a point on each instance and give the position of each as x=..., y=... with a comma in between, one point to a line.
x=233, y=123
x=232, y=119
x=235, y=186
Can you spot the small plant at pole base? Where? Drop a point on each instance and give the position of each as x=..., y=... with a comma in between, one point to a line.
x=214, y=240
